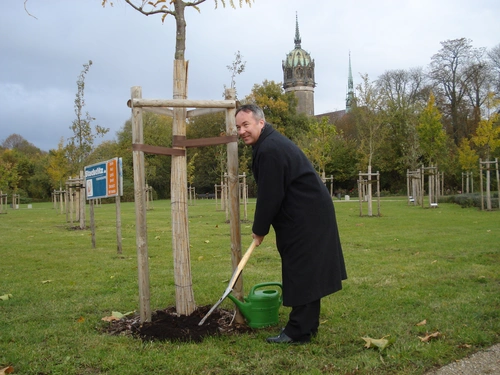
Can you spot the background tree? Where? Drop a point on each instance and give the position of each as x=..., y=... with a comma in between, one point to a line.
x=344, y=162
x=487, y=137
x=280, y=109
x=191, y=169
x=210, y=162
x=17, y=142
x=9, y=174
x=317, y=144
x=106, y=150
x=403, y=95
x=467, y=156
x=81, y=144
x=236, y=68
x=480, y=77
x=450, y=74
x=57, y=167
x=39, y=187
x=23, y=166
x=277, y=105
x=22, y=169
x=494, y=56
x=431, y=135
x=369, y=120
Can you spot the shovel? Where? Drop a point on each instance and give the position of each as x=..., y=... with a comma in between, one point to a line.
x=233, y=280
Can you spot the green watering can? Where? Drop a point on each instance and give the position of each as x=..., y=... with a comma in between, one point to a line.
x=261, y=307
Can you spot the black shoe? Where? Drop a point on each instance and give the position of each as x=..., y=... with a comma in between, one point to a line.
x=283, y=338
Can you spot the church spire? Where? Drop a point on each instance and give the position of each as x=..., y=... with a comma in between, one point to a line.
x=297, y=34
x=298, y=75
x=350, y=89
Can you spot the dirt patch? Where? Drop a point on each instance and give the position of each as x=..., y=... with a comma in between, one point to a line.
x=167, y=325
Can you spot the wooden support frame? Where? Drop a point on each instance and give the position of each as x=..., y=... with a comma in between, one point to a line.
x=468, y=179
x=3, y=203
x=414, y=187
x=180, y=236
x=485, y=166
x=434, y=179
x=75, y=189
x=366, y=184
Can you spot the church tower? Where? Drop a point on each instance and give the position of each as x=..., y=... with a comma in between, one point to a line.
x=298, y=75
x=349, y=101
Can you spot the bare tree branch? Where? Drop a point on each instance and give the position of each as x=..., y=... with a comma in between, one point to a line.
x=140, y=9
x=29, y=14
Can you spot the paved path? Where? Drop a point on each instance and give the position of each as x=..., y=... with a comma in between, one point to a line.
x=486, y=362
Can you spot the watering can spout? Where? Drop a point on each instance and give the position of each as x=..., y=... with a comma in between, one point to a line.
x=243, y=307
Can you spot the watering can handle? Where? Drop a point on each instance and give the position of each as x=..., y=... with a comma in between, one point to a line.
x=256, y=286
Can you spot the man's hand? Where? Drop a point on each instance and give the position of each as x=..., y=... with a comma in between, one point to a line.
x=258, y=239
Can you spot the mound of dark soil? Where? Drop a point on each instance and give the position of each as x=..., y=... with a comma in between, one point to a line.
x=168, y=325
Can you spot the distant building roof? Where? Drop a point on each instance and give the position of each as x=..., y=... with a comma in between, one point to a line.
x=332, y=116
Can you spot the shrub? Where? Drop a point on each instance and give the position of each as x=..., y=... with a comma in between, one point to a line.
x=469, y=200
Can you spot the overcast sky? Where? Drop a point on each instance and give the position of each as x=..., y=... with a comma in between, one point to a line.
x=41, y=59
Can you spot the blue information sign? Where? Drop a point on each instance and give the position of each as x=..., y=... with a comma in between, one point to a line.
x=103, y=180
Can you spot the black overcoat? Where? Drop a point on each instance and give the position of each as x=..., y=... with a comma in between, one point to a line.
x=292, y=198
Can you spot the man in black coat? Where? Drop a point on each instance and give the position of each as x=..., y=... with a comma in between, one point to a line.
x=292, y=198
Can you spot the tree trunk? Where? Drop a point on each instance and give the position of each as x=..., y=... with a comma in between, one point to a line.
x=180, y=32
x=184, y=296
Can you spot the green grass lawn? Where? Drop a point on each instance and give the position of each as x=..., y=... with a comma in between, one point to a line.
x=412, y=264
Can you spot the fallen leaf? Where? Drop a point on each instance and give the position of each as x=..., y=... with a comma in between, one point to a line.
x=430, y=336
x=110, y=318
x=422, y=323
x=81, y=319
x=200, y=257
x=207, y=241
x=116, y=315
x=6, y=370
x=46, y=281
x=5, y=297
x=376, y=343
x=465, y=346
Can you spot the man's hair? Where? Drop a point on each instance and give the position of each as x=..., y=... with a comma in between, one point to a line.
x=256, y=111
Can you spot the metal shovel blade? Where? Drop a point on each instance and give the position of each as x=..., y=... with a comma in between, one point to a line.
x=233, y=280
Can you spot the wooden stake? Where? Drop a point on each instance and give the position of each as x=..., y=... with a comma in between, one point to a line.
x=140, y=213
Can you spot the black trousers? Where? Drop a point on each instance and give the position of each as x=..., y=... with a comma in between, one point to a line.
x=303, y=321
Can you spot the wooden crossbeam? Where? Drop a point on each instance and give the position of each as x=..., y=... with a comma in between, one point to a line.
x=181, y=103
x=158, y=150
x=181, y=141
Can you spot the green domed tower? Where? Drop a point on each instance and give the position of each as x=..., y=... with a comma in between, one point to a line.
x=298, y=75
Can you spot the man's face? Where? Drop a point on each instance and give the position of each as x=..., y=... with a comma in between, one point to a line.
x=248, y=127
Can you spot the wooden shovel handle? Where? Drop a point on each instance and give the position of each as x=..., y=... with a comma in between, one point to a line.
x=242, y=264
x=235, y=276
